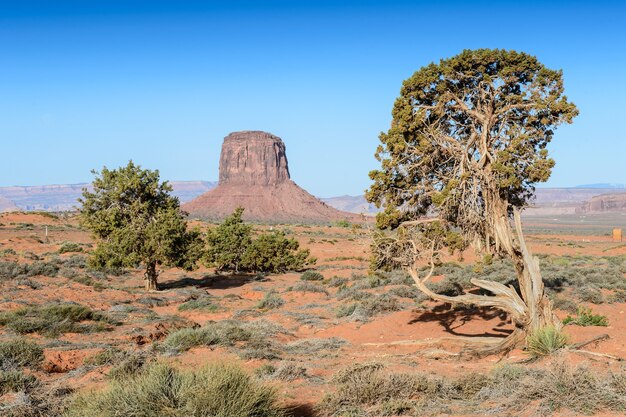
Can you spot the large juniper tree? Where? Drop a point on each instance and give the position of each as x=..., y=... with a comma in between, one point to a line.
x=467, y=142
x=136, y=221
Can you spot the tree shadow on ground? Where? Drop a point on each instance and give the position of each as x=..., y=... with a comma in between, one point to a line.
x=301, y=410
x=218, y=282
x=453, y=318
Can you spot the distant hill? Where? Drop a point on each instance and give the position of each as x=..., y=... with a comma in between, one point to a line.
x=548, y=201
x=603, y=185
x=603, y=203
x=7, y=205
x=352, y=204
x=64, y=197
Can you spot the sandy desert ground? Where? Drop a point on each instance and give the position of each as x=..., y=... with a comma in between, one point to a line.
x=304, y=332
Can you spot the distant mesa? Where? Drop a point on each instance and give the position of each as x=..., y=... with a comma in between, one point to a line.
x=7, y=205
x=605, y=203
x=254, y=174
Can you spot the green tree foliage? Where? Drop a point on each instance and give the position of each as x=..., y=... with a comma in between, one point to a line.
x=231, y=247
x=137, y=222
x=466, y=145
x=227, y=243
x=465, y=132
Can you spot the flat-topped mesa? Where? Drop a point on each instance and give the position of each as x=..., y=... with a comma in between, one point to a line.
x=253, y=158
x=254, y=175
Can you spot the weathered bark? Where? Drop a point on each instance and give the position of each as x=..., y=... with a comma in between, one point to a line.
x=151, y=276
x=528, y=311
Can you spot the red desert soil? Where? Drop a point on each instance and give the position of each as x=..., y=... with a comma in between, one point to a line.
x=413, y=338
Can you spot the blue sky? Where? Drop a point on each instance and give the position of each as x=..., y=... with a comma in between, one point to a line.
x=85, y=83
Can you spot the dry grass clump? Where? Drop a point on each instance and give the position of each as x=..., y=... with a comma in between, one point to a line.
x=15, y=381
x=219, y=390
x=369, y=390
x=20, y=352
x=370, y=306
x=311, y=275
x=308, y=287
x=546, y=340
x=54, y=319
x=205, y=303
x=270, y=301
x=250, y=337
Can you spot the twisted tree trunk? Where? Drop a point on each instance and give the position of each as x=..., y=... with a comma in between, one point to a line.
x=528, y=311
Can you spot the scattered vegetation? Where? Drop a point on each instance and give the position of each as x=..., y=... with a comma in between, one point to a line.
x=308, y=287
x=270, y=300
x=230, y=247
x=585, y=317
x=216, y=390
x=205, y=303
x=15, y=381
x=54, y=319
x=311, y=275
x=70, y=247
x=369, y=389
x=20, y=352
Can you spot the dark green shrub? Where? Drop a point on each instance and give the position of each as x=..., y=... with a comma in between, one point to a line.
x=161, y=390
x=230, y=247
x=311, y=275
x=585, y=317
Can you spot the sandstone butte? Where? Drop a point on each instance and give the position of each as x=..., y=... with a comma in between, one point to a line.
x=254, y=174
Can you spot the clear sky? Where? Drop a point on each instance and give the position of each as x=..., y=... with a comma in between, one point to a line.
x=90, y=83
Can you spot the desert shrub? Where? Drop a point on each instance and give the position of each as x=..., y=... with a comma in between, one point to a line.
x=618, y=296
x=219, y=390
x=131, y=365
x=314, y=346
x=204, y=304
x=585, y=317
x=223, y=333
x=343, y=223
x=70, y=247
x=311, y=275
x=337, y=281
x=20, y=352
x=589, y=294
x=270, y=300
x=346, y=309
x=369, y=389
x=285, y=371
x=379, y=304
x=274, y=252
x=90, y=282
x=153, y=301
x=408, y=292
x=565, y=304
x=308, y=287
x=54, y=319
x=578, y=389
x=107, y=356
x=545, y=340
x=15, y=381
x=230, y=247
